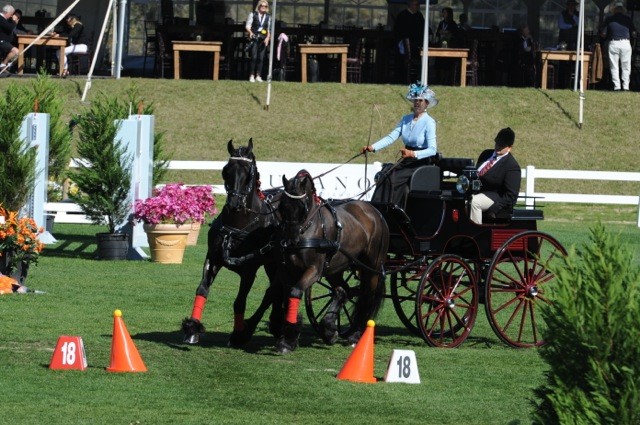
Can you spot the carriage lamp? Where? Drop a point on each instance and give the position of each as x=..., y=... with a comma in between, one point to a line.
x=468, y=180
x=462, y=185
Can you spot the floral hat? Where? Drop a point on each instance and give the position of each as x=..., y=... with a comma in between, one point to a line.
x=419, y=91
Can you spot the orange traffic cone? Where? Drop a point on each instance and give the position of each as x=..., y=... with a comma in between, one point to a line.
x=124, y=354
x=359, y=365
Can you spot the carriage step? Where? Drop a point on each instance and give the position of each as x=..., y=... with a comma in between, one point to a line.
x=524, y=214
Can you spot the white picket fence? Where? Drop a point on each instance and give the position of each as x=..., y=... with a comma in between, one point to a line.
x=349, y=181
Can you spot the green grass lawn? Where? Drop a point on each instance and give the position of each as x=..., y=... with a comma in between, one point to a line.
x=482, y=382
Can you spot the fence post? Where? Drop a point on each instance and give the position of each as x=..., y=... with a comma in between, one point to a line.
x=34, y=131
x=530, y=189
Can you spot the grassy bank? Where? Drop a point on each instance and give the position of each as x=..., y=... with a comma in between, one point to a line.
x=330, y=122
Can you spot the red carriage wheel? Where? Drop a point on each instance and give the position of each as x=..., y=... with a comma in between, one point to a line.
x=517, y=283
x=447, y=302
x=318, y=298
x=403, y=287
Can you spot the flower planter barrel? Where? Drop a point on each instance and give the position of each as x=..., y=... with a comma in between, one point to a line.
x=112, y=246
x=167, y=242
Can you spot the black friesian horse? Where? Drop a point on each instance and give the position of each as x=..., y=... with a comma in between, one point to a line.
x=320, y=239
x=240, y=239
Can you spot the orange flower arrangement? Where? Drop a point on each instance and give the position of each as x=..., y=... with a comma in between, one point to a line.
x=18, y=239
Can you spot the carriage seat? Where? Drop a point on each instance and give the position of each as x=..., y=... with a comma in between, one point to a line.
x=425, y=179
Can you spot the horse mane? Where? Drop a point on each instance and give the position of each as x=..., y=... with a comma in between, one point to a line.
x=307, y=181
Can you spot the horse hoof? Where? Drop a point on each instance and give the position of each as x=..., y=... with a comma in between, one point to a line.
x=329, y=337
x=238, y=339
x=283, y=346
x=191, y=339
x=354, y=338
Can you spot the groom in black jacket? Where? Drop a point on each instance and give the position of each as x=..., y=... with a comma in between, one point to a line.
x=500, y=176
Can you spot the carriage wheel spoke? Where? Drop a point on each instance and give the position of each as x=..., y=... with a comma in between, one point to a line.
x=447, y=301
x=534, y=324
x=515, y=312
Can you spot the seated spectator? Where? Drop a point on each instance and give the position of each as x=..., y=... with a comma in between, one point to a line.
x=500, y=176
x=7, y=26
x=77, y=40
x=20, y=28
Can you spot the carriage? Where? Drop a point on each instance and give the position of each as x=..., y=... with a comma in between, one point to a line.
x=441, y=266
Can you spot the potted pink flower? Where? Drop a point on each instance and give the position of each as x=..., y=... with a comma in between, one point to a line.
x=176, y=208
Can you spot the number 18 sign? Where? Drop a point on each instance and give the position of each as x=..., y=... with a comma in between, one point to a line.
x=403, y=367
x=69, y=354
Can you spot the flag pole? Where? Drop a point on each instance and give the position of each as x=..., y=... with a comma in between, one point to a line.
x=425, y=49
x=272, y=32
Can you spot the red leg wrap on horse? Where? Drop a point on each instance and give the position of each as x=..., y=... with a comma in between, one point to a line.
x=198, y=306
x=292, y=312
x=238, y=322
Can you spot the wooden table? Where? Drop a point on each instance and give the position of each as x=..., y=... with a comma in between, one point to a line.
x=25, y=40
x=196, y=46
x=563, y=55
x=324, y=49
x=445, y=52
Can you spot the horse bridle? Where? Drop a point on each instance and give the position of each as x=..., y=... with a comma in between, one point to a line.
x=243, y=194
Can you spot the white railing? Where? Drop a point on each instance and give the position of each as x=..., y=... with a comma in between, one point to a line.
x=349, y=181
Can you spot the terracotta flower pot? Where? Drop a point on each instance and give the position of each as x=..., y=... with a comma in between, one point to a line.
x=167, y=242
x=194, y=232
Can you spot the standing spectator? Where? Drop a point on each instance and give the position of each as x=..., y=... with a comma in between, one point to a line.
x=408, y=30
x=7, y=25
x=567, y=37
x=568, y=25
x=258, y=28
x=447, y=35
x=524, y=53
x=618, y=29
x=447, y=32
x=76, y=40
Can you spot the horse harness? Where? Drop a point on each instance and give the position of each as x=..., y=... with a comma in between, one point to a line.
x=234, y=236
x=243, y=194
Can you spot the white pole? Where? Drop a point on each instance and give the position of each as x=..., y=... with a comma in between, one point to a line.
x=578, y=45
x=425, y=49
x=272, y=32
x=114, y=39
x=45, y=31
x=87, y=85
x=580, y=62
x=123, y=10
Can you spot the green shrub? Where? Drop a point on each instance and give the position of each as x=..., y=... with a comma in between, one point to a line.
x=104, y=179
x=17, y=161
x=48, y=94
x=593, y=335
